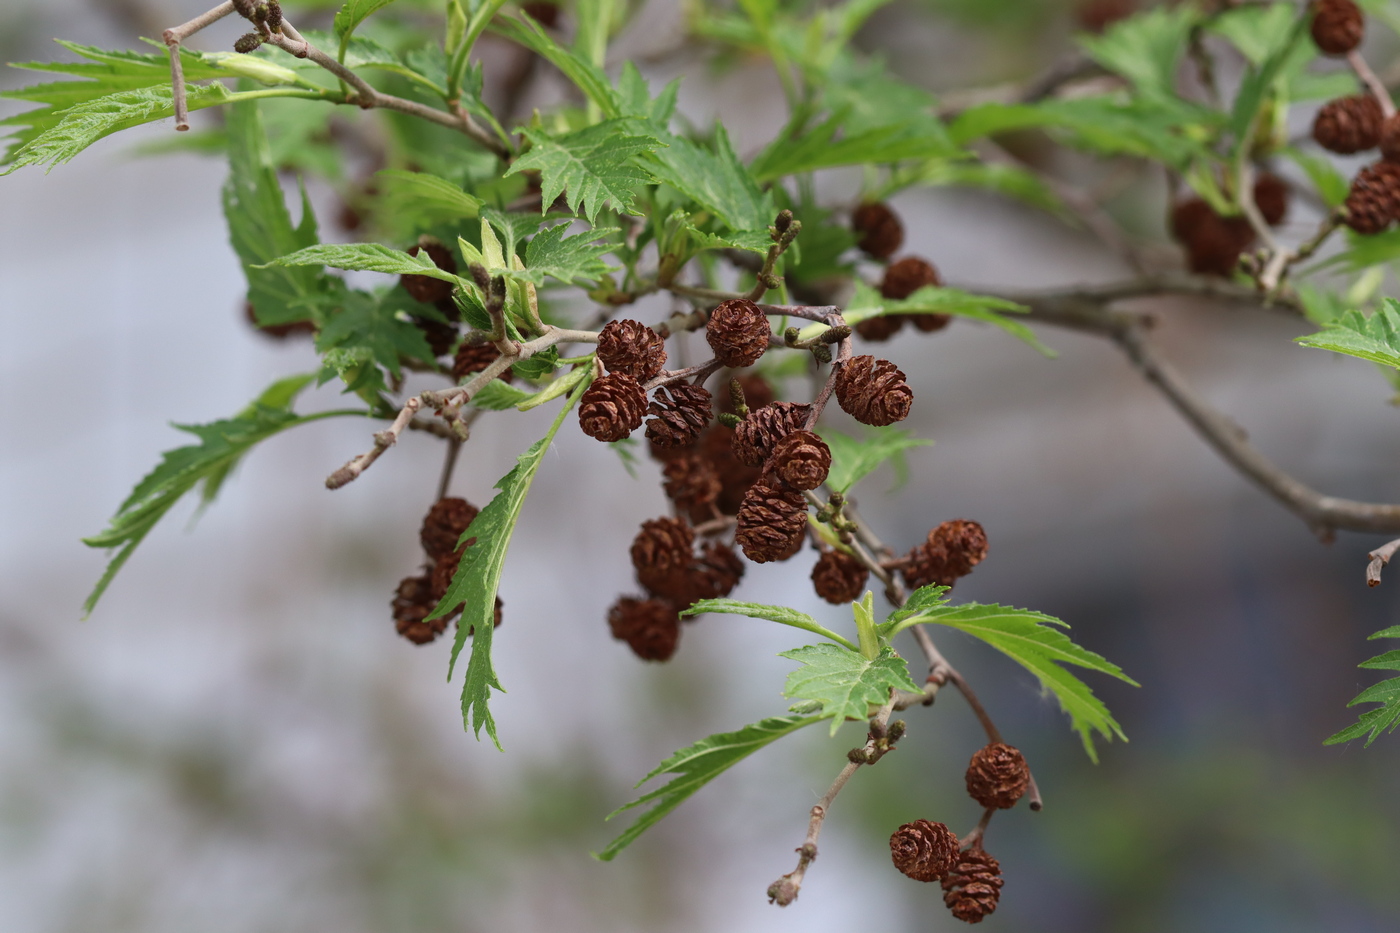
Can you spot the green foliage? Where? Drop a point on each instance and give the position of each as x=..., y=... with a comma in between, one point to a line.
x=207, y=464
x=478, y=577
x=695, y=766
x=351, y=15
x=1376, y=338
x=1386, y=718
x=593, y=166
x=799, y=149
x=366, y=257
x=423, y=200
x=567, y=259
x=780, y=614
x=714, y=179
x=852, y=460
x=845, y=682
x=1147, y=48
x=367, y=336
x=867, y=303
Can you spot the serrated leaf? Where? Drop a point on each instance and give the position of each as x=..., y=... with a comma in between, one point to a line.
x=584, y=74
x=221, y=445
x=1031, y=639
x=923, y=600
x=1385, y=718
x=715, y=180
x=852, y=460
x=635, y=98
x=593, y=167
x=424, y=199
x=867, y=303
x=1332, y=186
x=1376, y=338
x=260, y=227
x=355, y=12
x=1146, y=48
x=366, y=257
x=567, y=259
x=845, y=682
x=478, y=577
x=695, y=766
x=499, y=396
x=780, y=614
x=819, y=147
x=365, y=322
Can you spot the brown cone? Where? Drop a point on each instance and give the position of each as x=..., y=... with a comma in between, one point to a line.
x=1271, y=197
x=738, y=332
x=678, y=414
x=280, y=331
x=757, y=436
x=1390, y=139
x=692, y=484
x=878, y=230
x=772, y=523
x=907, y=276
x=879, y=329
x=443, y=525
x=801, y=459
x=473, y=358
x=650, y=627
x=1213, y=243
x=632, y=348
x=715, y=572
x=412, y=602
x=1374, y=200
x=735, y=477
x=1337, y=26
x=997, y=777
x=924, y=851
x=972, y=886
x=543, y=12
x=441, y=335
x=661, y=554
x=873, y=391
x=612, y=408
x=425, y=288
x=839, y=578
x=1348, y=124
x=965, y=543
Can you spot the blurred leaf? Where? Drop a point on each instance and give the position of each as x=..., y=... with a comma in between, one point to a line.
x=1257, y=31
x=1146, y=48
x=845, y=682
x=478, y=577
x=1332, y=186
x=868, y=303
x=1387, y=693
x=594, y=166
x=586, y=76
x=1011, y=180
x=805, y=149
x=371, y=324
x=852, y=460
x=1376, y=338
x=780, y=614
x=636, y=100
x=696, y=765
x=418, y=199
x=499, y=396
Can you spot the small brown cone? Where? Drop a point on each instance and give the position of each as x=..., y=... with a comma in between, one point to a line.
x=612, y=408
x=662, y=554
x=1348, y=124
x=873, y=391
x=997, y=776
x=715, y=572
x=678, y=414
x=1337, y=26
x=907, y=276
x=651, y=627
x=972, y=886
x=772, y=523
x=924, y=851
x=801, y=459
x=757, y=436
x=735, y=477
x=965, y=543
x=839, y=578
x=738, y=332
x=425, y=288
x=444, y=524
x=543, y=12
x=878, y=230
x=441, y=335
x=412, y=602
x=632, y=348
x=1271, y=197
x=879, y=329
x=692, y=484
x=473, y=358
x=1374, y=200
x=444, y=569
x=1390, y=139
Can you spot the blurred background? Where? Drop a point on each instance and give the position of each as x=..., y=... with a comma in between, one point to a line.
x=238, y=741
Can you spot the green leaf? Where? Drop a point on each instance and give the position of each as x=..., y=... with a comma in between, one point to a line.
x=845, y=682
x=695, y=766
x=636, y=101
x=366, y=257
x=498, y=396
x=260, y=227
x=923, y=600
x=426, y=200
x=1146, y=48
x=1376, y=338
x=567, y=259
x=1028, y=638
x=594, y=166
x=715, y=180
x=1332, y=186
x=352, y=14
x=781, y=614
x=583, y=73
x=371, y=329
x=1386, y=718
x=220, y=446
x=852, y=460
x=868, y=303
x=478, y=577
x=818, y=147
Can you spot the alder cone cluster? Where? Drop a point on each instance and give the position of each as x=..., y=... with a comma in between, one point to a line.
x=692, y=483
x=443, y=525
x=661, y=554
x=735, y=476
x=878, y=230
x=1373, y=202
x=1337, y=26
x=1213, y=243
x=1271, y=197
x=873, y=391
x=651, y=627
x=839, y=578
x=951, y=551
x=772, y=523
x=715, y=572
x=631, y=348
x=1348, y=124
x=425, y=288
x=472, y=358
x=612, y=407
x=924, y=851
x=412, y=602
x=972, y=886
x=738, y=332
x=757, y=436
x=678, y=414
x=801, y=459
x=902, y=279
x=997, y=776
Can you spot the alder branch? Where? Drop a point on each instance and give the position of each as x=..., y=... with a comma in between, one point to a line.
x=1379, y=558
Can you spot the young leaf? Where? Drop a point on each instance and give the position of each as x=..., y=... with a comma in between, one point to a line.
x=1376, y=338
x=923, y=600
x=220, y=446
x=697, y=765
x=1028, y=638
x=372, y=324
x=426, y=199
x=594, y=166
x=715, y=180
x=845, y=682
x=352, y=14
x=478, y=577
x=366, y=257
x=566, y=259
x=852, y=460
x=1386, y=693
x=781, y=614
x=498, y=396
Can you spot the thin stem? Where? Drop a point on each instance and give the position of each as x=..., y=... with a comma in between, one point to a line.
x=973, y=840
x=1379, y=558
x=449, y=463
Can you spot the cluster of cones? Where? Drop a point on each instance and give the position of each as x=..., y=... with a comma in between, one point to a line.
x=879, y=234
x=417, y=596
